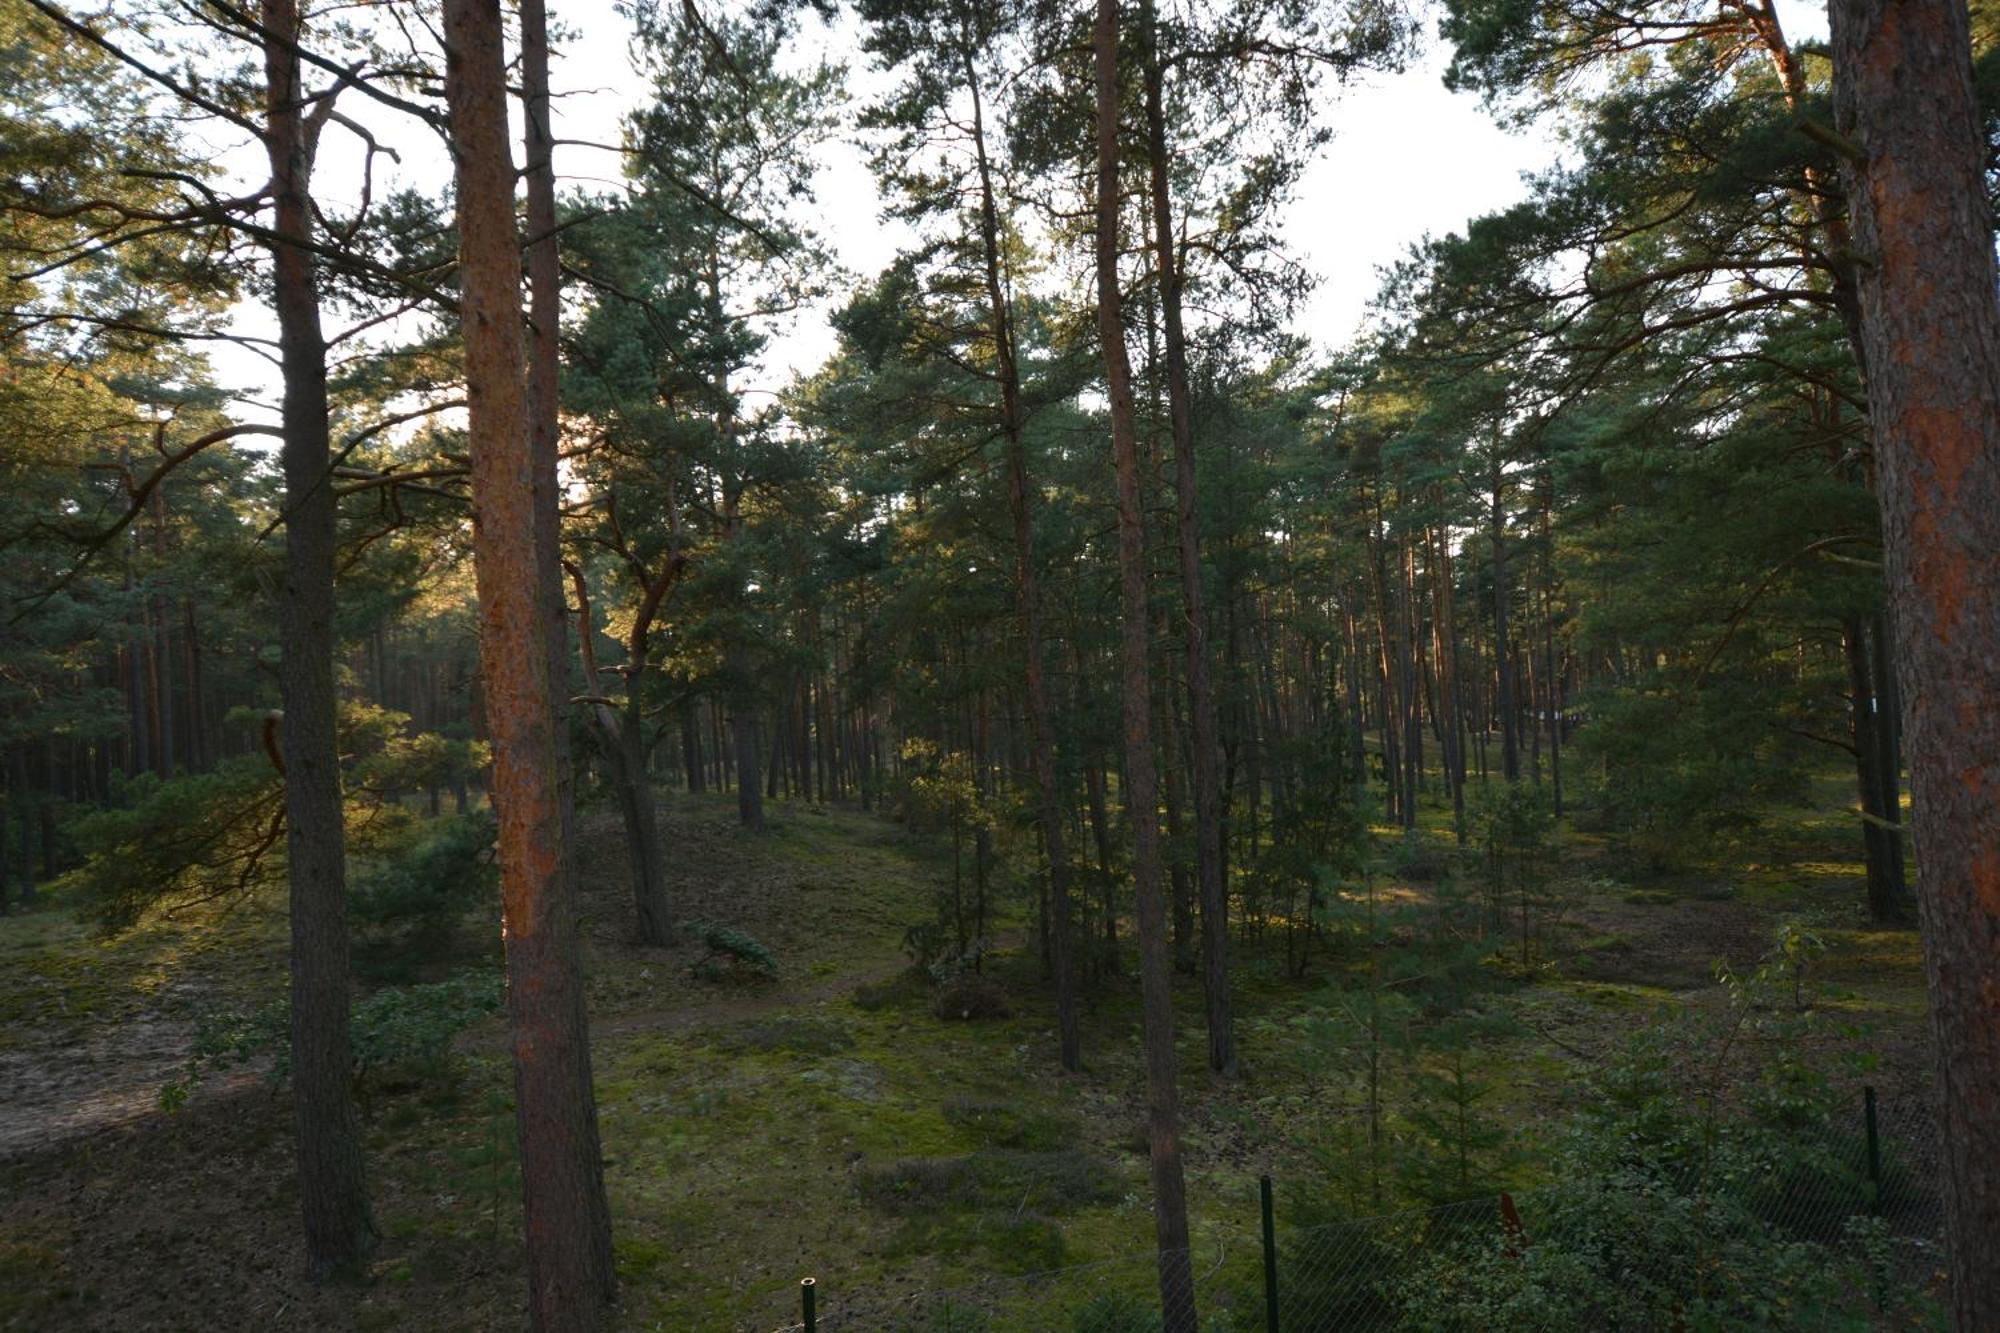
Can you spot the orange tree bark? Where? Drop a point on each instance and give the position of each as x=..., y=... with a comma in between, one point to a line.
x=562, y=1171
x=1923, y=240
x=1142, y=800
x=332, y=1190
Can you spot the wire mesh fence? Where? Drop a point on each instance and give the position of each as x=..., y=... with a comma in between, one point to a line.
x=1828, y=1226
x=1114, y=1296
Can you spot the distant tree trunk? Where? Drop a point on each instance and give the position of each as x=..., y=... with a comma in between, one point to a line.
x=199, y=757
x=1350, y=662
x=743, y=728
x=1446, y=656
x=1905, y=100
x=1503, y=648
x=1170, y=1225
x=1182, y=891
x=691, y=745
x=1551, y=667
x=332, y=1189
x=1096, y=787
x=562, y=1170
x=1201, y=693
x=1878, y=838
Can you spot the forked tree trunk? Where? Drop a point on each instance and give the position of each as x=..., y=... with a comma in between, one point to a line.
x=1170, y=1228
x=562, y=1170
x=332, y=1190
x=1904, y=97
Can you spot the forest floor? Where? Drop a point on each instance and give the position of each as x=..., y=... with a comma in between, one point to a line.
x=824, y=1121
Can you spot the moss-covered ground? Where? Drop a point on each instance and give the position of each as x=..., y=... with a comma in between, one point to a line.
x=827, y=1121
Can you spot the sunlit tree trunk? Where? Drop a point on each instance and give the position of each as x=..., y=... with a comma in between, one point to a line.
x=562, y=1171
x=1923, y=240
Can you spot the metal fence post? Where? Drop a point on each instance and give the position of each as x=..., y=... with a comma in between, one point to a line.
x=1270, y=1257
x=807, y=1288
x=1874, y=1148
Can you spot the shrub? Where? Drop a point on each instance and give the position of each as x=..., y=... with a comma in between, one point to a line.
x=729, y=951
x=970, y=997
x=913, y=985
x=1000, y=1124
x=401, y=1035
x=406, y=908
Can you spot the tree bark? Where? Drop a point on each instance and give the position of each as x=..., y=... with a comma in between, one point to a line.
x=332, y=1188
x=1170, y=1227
x=1904, y=100
x=562, y=1170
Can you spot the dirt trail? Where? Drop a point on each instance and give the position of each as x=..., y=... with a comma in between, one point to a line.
x=52, y=1096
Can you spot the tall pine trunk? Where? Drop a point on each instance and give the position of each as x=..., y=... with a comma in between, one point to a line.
x=562, y=1170
x=1028, y=604
x=1187, y=520
x=332, y=1190
x=1904, y=97
x=1170, y=1227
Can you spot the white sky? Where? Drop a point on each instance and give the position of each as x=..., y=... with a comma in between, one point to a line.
x=1408, y=159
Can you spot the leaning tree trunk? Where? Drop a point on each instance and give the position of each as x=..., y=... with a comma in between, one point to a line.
x=1170, y=1227
x=562, y=1170
x=1187, y=520
x=332, y=1189
x=1904, y=97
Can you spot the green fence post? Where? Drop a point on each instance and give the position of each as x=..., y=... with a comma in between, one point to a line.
x=807, y=1289
x=1270, y=1257
x=1874, y=1148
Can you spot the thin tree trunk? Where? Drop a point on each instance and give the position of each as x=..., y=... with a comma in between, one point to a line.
x=691, y=745
x=332, y=1189
x=1028, y=605
x=562, y=1170
x=1187, y=520
x=1503, y=650
x=1904, y=97
x=1141, y=793
x=1878, y=839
